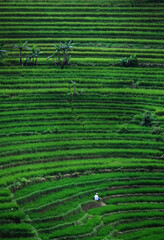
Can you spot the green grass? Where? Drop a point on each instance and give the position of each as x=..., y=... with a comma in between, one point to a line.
x=142, y=224
x=132, y=216
x=75, y=230
x=16, y=230
x=142, y=233
x=135, y=206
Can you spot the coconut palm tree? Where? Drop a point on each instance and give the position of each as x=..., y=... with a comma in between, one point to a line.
x=21, y=46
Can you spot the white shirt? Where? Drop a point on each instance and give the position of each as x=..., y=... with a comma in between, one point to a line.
x=96, y=197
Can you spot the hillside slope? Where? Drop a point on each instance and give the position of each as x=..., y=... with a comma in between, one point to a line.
x=90, y=127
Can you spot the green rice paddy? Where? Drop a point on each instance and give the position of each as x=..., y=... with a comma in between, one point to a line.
x=89, y=127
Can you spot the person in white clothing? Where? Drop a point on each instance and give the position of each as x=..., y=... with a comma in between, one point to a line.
x=96, y=197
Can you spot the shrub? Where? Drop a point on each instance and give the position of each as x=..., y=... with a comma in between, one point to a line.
x=157, y=130
x=23, y=181
x=148, y=119
x=123, y=129
x=56, y=130
x=131, y=61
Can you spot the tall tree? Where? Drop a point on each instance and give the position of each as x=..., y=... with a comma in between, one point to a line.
x=56, y=52
x=21, y=46
x=61, y=50
x=66, y=47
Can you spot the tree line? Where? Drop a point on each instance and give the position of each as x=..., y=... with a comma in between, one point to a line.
x=60, y=55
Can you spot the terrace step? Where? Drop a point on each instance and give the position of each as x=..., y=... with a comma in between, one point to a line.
x=91, y=129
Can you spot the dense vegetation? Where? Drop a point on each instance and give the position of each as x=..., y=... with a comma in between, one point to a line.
x=80, y=121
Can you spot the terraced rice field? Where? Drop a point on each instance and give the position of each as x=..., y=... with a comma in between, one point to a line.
x=69, y=133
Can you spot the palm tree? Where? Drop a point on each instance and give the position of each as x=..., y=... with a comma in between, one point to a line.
x=53, y=58
x=67, y=46
x=28, y=60
x=58, y=52
x=21, y=46
x=35, y=53
x=64, y=48
x=3, y=52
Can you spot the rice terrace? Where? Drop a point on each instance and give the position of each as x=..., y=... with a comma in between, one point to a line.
x=82, y=115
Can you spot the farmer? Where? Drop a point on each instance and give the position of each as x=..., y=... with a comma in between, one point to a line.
x=96, y=197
